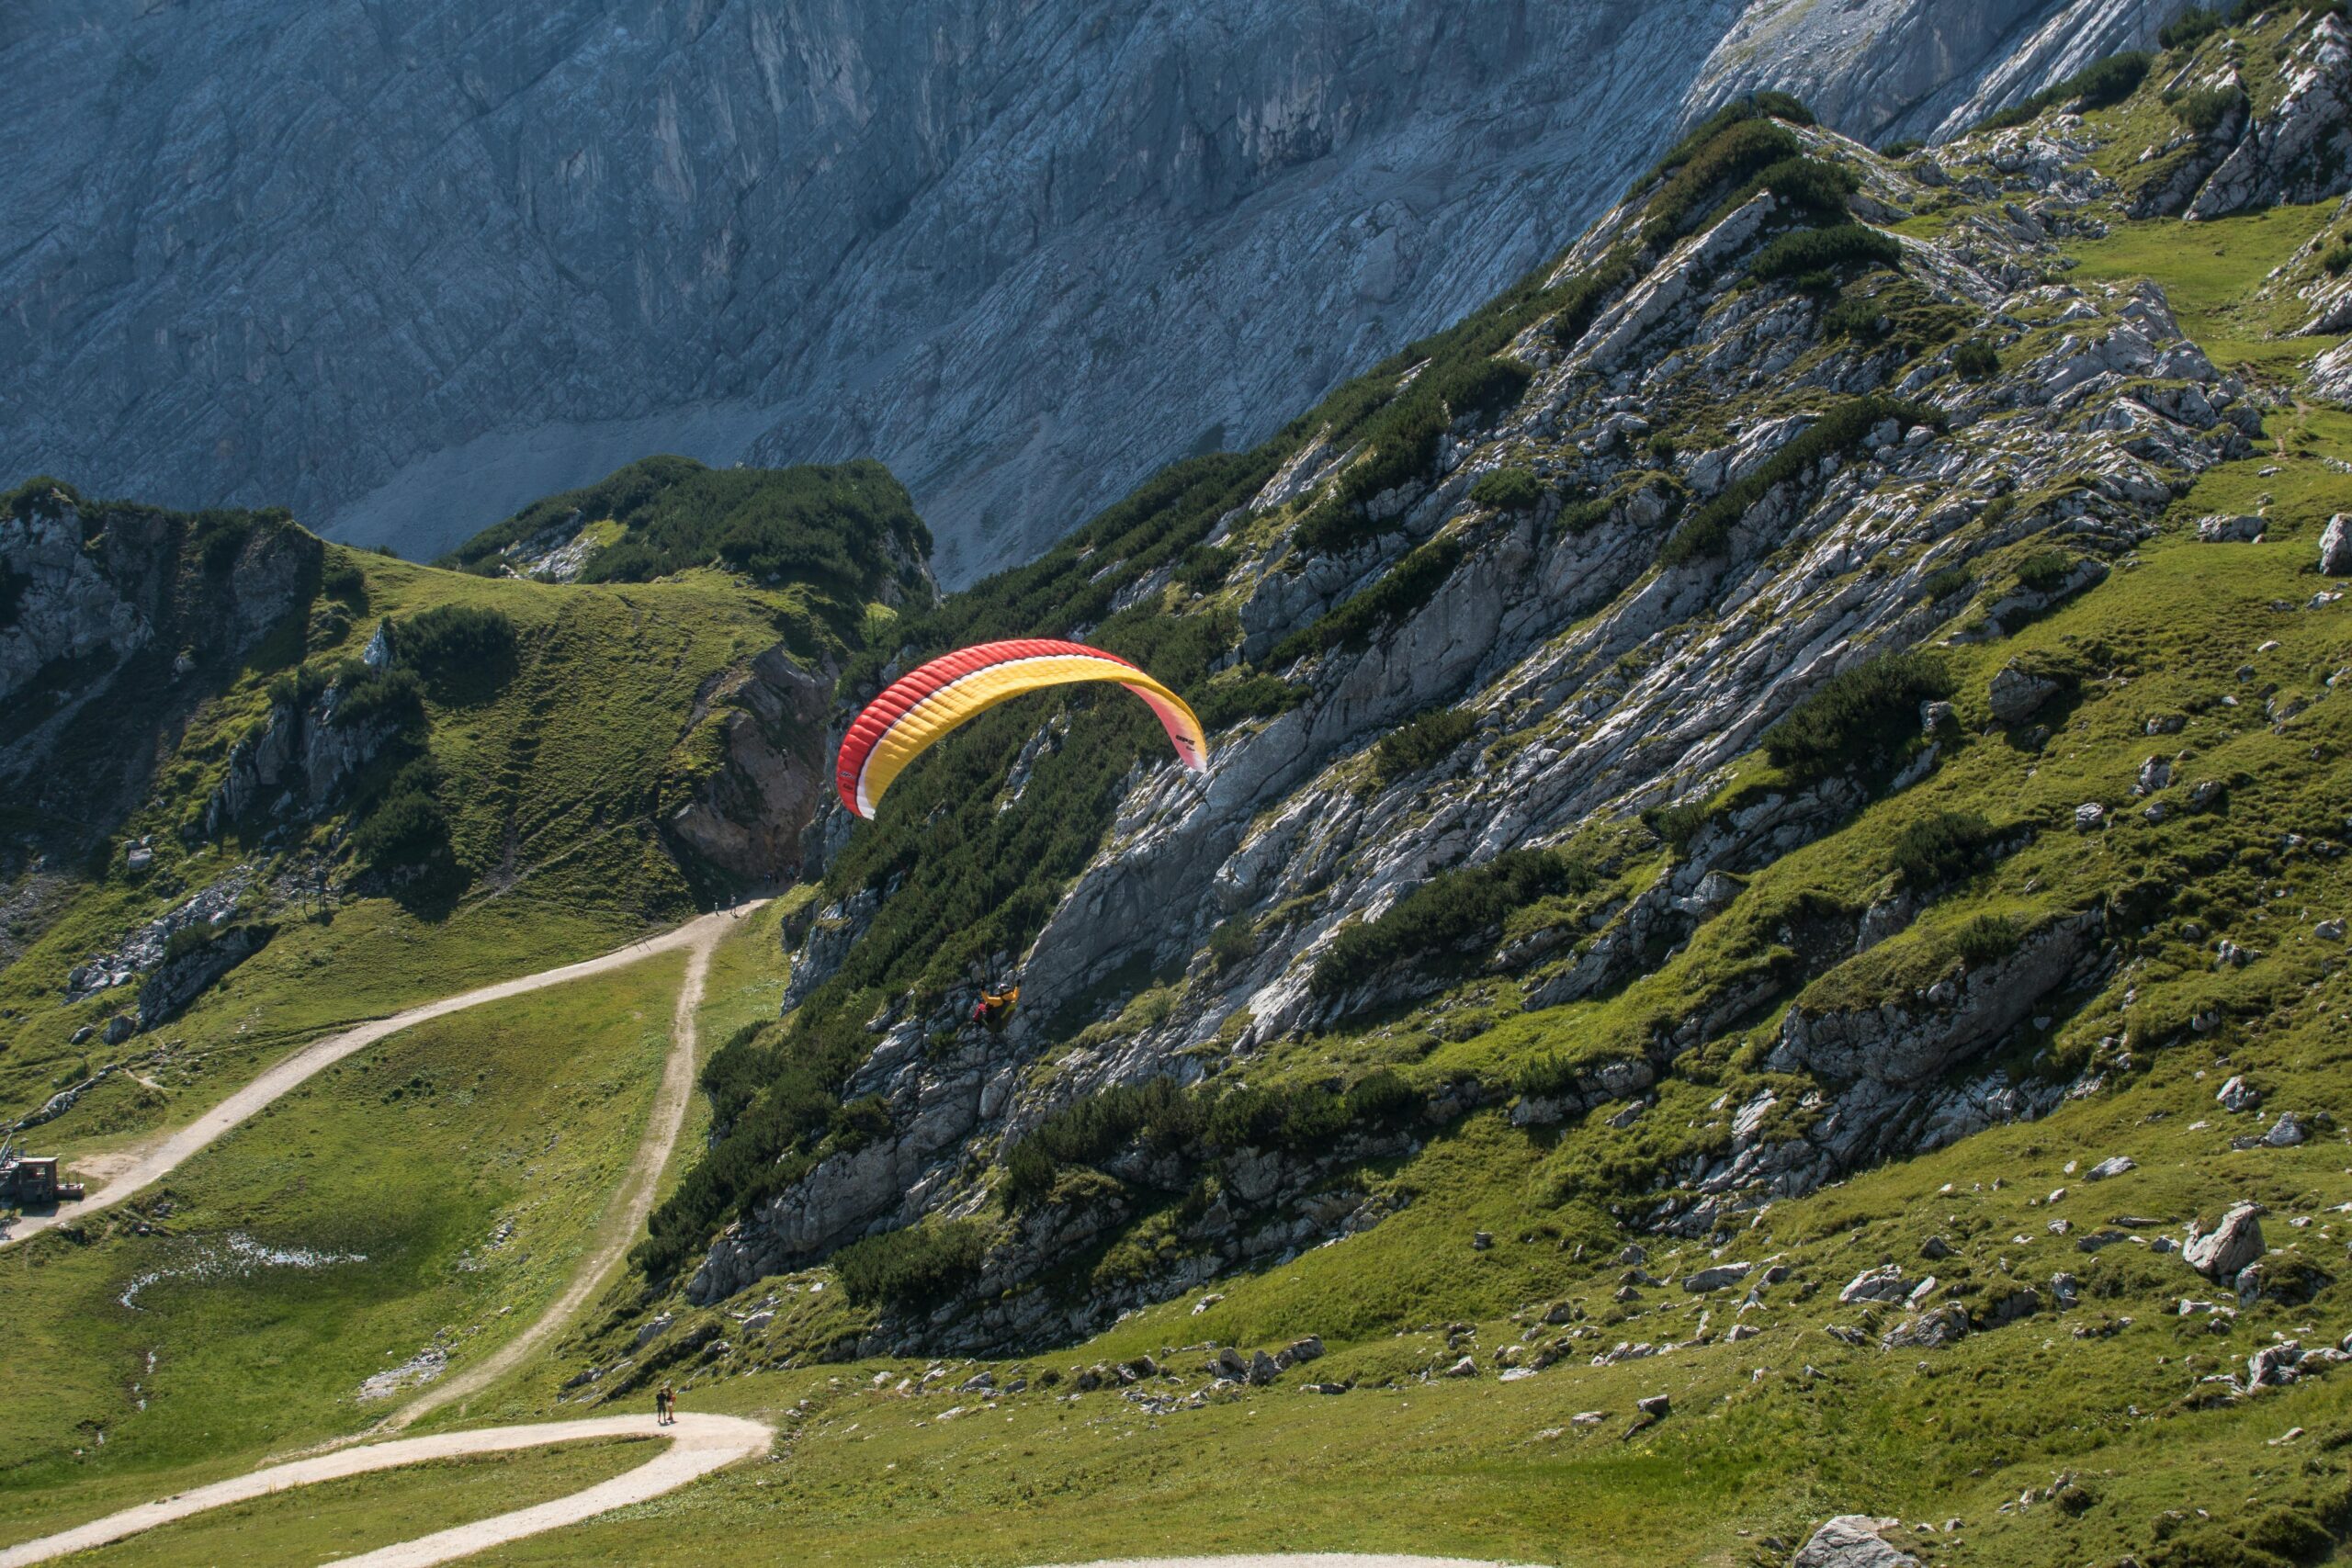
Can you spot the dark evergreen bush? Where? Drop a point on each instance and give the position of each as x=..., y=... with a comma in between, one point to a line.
x=1509, y=490
x=1858, y=717
x=1805, y=251
x=1449, y=910
x=913, y=1267
x=1936, y=850
x=1975, y=359
x=1413, y=746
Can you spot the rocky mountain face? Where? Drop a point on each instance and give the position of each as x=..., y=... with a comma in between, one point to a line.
x=1529, y=687
x=118, y=620
x=405, y=270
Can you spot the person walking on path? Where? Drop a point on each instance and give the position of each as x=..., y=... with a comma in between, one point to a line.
x=665, y=1405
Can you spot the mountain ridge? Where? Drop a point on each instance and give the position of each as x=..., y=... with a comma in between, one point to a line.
x=785, y=239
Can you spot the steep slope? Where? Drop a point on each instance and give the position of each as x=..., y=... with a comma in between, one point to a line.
x=238, y=758
x=1738, y=657
x=1023, y=253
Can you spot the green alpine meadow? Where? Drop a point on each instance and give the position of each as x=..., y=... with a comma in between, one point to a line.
x=1697, y=918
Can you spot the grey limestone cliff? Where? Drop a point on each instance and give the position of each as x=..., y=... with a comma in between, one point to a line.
x=405, y=267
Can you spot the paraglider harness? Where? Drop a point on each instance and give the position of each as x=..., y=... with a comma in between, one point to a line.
x=995, y=1007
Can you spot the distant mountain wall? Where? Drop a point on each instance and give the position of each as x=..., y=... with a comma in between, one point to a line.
x=405, y=267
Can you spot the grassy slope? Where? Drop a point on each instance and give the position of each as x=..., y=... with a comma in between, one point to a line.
x=343, y=1518
x=411, y=1155
x=2101, y=1392
x=553, y=781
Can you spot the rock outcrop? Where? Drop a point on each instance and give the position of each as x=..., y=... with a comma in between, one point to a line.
x=1595, y=679
x=745, y=814
x=120, y=616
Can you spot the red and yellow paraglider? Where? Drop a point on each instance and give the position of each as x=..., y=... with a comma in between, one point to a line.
x=923, y=707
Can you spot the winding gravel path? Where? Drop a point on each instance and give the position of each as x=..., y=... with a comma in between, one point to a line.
x=170, y=1150
x=696, y=1445
x=631, y=1204
x=1276, y=1559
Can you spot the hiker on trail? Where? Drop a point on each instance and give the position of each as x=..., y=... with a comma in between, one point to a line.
x=995, y=1007
x=665, y=1405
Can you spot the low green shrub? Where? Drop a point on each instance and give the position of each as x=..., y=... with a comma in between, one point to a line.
x=1801, y=252
x=452, y=645
x=1232, y=945
x=2338, y=258
x=1856, y=316
x=1412, y=746
x=1987, y=939
x=1509, y=490
x=2189, y=28
x=1974, y=359
x=1938, y=848
x=365, y=696
x=1583, y=516
x=1205, y=568
x=1224, y=704
x=1945, y=582
x=407, y=827
x=1858, y=717
x=1677, y=826
x=1445, y=912
x=2044, y=572
x=2202, y=110
x=343, y=580
x=913, y=1267
x=1297, y=1117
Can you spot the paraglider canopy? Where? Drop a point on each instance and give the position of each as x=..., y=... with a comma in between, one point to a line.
x=921, y=707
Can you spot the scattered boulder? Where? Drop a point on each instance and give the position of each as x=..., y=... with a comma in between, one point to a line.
x=2285, y=1133
x=1935, y=1247
x=2016, y=695
x=2273, y=1366
x=2221, y=530
x=1465, y=1368
x=2235, y=1242
x=2239, y=1095
x=1853, y=1541
x=1720, y=1276
x=1945, y=1325
x=1884, y=1283
x=2335, y=547
x=2114, y=1165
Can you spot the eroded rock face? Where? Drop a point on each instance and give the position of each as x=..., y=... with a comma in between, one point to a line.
x=1905, y=1043
x=2335, y=547
x=118, y=617
x=1884, y=69
x=747, y=817
x=607, y=230
x=295, y=765
x=1598, y=685
x=2298, y=152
